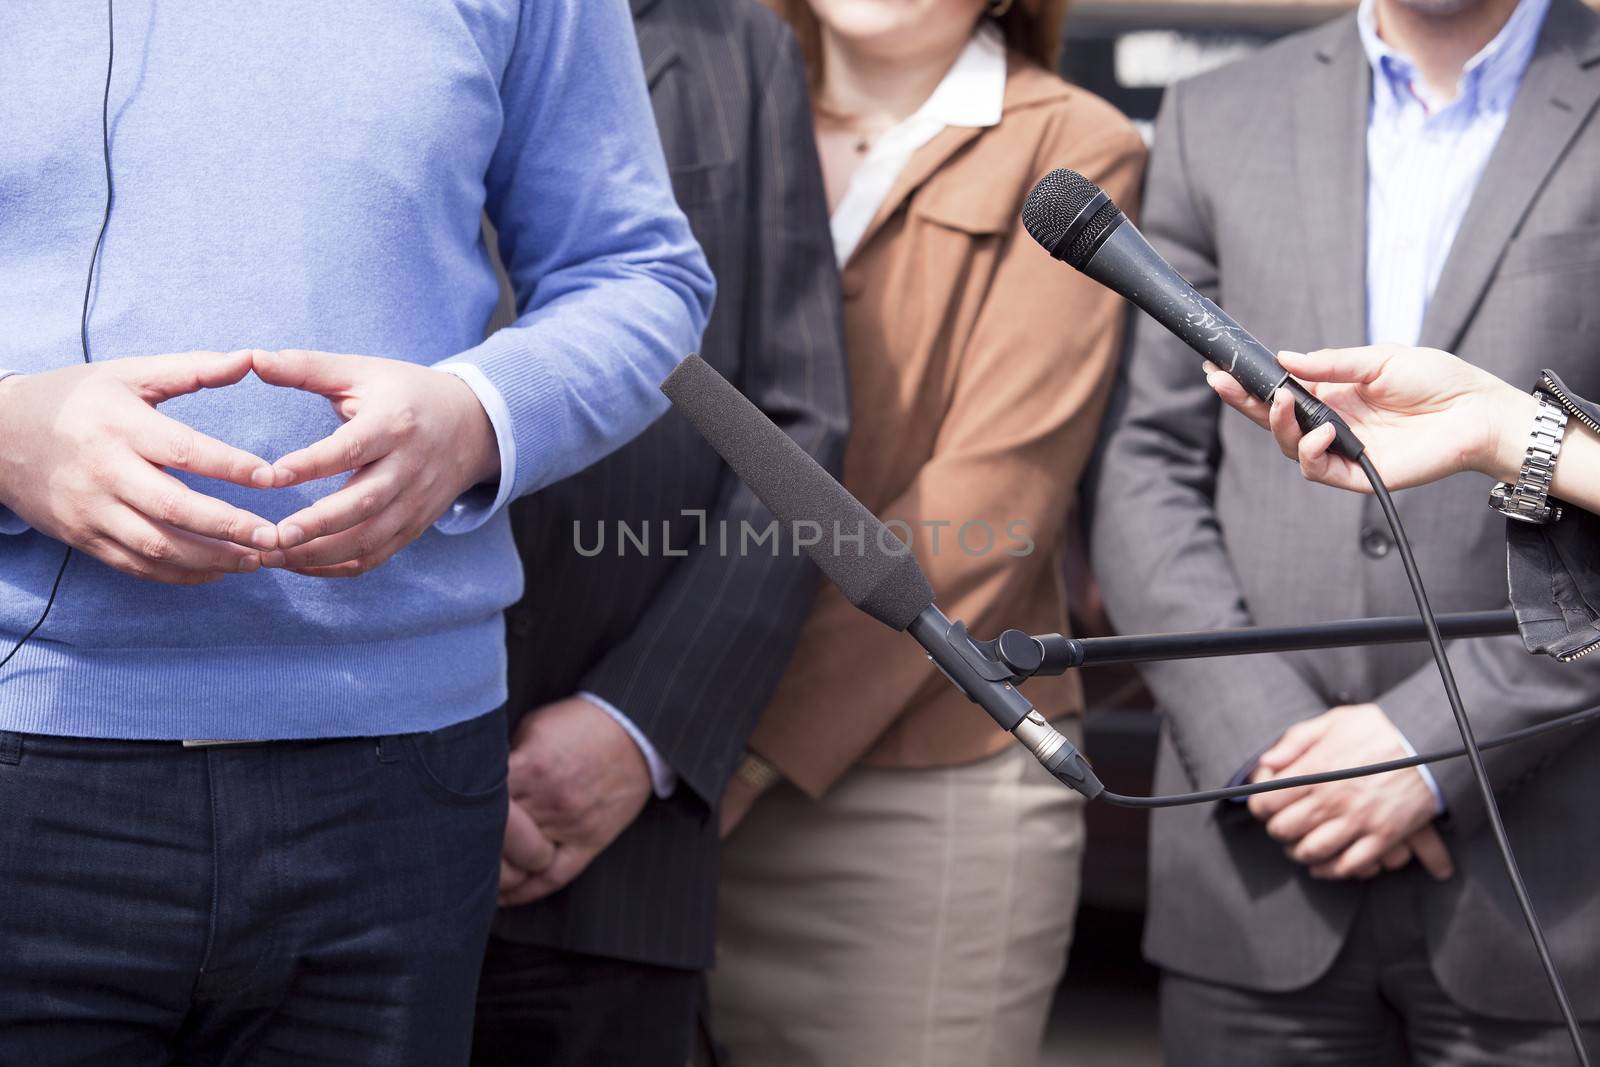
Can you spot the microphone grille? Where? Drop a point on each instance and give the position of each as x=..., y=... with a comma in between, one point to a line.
x=1054, y=203
x=1088, y=236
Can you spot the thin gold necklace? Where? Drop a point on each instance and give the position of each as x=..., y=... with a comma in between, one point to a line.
x=865, y=137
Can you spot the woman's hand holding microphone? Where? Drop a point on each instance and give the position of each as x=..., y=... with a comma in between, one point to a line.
x=1423, y=415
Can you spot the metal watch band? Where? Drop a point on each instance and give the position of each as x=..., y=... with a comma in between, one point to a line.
x=757, y=773
x=1529, y=499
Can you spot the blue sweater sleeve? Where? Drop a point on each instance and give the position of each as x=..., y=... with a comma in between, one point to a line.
x=611, y=288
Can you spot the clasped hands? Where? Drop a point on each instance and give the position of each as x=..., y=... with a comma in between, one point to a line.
x=576, y=780
x=1356, y=828
x=85, y=458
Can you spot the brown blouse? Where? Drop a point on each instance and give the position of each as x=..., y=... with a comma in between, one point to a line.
x=979, y=369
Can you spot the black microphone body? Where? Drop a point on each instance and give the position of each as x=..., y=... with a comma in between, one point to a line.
x=879, y=575
x=1079, y=224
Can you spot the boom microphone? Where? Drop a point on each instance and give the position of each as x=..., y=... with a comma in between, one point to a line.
x=1080, y=225
x=881, y=576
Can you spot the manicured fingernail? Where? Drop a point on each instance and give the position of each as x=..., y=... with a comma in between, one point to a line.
x=262, y=477
x=248, y=564
x=264, y=537
x=289, y=536
x=282, y=476
x=273, y=559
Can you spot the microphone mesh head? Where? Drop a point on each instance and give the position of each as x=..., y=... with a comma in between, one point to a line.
x=1088, y=236
x=1054, y=203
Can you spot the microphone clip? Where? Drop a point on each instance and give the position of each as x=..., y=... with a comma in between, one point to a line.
x=988, y=673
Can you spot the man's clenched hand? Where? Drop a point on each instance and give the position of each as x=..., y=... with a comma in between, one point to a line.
x=82, y=452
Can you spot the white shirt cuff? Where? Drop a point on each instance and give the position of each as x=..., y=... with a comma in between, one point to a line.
x=475, y=507
x=9, y=522
x=662, y=777
x=1427, y=775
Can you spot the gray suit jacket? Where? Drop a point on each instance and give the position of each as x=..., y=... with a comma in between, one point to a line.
x=690, y=646
x=1257, y=193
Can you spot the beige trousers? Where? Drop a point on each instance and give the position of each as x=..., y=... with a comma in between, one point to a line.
x=911, y=918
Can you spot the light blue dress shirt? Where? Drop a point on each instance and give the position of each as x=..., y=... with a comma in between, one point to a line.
x=1424, y=160
x=1425, y=157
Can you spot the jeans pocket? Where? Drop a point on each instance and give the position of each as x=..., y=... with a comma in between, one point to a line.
x=464, y=764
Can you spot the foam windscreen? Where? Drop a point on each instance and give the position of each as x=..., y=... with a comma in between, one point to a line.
x=875, y=570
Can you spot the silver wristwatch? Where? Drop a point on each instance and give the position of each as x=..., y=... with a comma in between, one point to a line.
x=1529, y=499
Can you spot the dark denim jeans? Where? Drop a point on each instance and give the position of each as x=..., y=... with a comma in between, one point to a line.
x=288, y=903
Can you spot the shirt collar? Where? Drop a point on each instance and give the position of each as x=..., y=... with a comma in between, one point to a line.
x=973, y=91
x=1488, y=82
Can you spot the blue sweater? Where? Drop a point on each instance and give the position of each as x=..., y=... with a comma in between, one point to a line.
x=304, y=174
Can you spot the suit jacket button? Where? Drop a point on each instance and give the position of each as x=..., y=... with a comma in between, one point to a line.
x=1376, y=543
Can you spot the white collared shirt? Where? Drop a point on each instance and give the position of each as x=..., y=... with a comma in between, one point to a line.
x=972, y=93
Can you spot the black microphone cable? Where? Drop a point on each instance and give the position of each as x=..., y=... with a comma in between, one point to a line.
x=1240, y=792
x=1475, y=757
x=88, y=287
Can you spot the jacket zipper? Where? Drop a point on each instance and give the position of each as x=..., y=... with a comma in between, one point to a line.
x=1548, y=385
x=1580, y=653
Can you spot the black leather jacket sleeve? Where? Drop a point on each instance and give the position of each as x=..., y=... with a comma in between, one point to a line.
x=1554, y=574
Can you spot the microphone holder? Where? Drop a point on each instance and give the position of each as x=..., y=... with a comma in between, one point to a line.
x=1049, y=654
x=975, y=668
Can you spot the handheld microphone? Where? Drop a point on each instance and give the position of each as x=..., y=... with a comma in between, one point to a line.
x=880, y=577
x=1080, y=225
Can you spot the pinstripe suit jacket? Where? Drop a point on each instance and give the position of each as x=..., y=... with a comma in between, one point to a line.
x=690, y=646
x=1257, y=192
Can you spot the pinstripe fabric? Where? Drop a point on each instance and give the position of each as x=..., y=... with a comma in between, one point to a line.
x=690, y=647
x=1199, y=522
